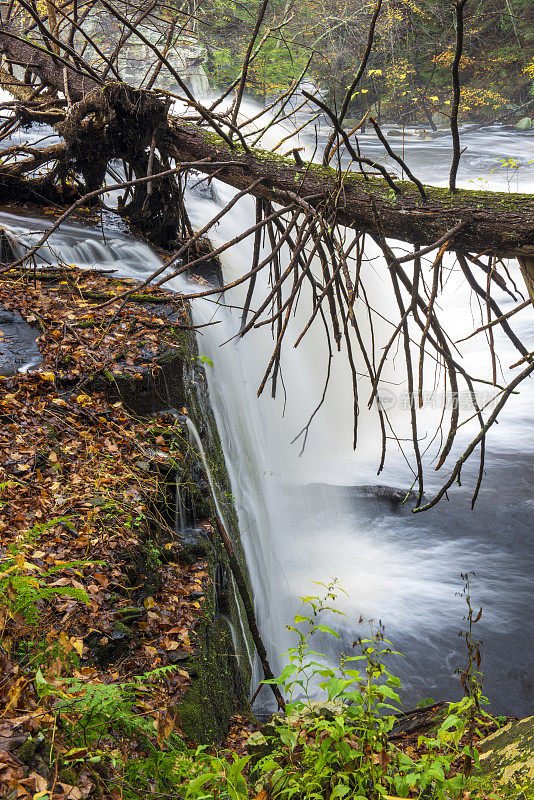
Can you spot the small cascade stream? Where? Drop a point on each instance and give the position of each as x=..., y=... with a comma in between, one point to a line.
x=316, y=514
x=197, y=442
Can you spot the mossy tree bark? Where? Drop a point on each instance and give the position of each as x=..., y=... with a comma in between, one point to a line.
x=495, y=222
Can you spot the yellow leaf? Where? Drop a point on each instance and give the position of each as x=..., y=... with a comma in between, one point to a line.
x=14, y=694
x=40, y=784
x=47, y=376
x=78, y=645
x=149, y=603
x=71, y=792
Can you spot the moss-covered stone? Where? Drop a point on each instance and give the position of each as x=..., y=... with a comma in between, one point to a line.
x=151, y=389
x=107, y=650
x=26, y=752
x=507, y=759
x=217, y=689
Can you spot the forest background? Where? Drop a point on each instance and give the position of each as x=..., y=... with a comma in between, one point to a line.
x=409, y=71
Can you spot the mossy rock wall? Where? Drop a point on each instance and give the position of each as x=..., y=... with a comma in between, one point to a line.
x=221, y=667
x=217, y=689
x=203, y=418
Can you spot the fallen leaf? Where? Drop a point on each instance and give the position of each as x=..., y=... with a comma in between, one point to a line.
x=71, y=792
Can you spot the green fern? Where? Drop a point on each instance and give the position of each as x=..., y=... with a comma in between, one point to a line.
x=95, y=710
x=22, y=591
x=23, y=586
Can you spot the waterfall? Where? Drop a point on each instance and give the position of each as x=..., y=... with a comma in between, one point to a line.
x=305, y=517
x=301, y=519
x=193, y=433
x=81, y=246
x=296, y=524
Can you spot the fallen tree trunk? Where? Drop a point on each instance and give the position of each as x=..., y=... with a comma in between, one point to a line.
x=117, y=121
x=302, y=206
x=495, y=222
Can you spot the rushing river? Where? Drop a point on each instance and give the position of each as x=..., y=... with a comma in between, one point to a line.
x=305, y=517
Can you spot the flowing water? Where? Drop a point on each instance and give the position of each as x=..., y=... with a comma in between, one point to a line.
x=304, y=515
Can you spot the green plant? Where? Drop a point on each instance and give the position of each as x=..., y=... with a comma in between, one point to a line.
x=334, y=747
x=23, y=585
x=92, y=711
x=205, y=360
x=426, y=701
x=341, y=749
x=471, y=678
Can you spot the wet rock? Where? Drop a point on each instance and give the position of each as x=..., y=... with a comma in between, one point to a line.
x=13, y=743
x=108, y=648
x=390, y=493
x=194, y=545
x=177, y=656
x=524, y=124
x=18, y=344
x=223, y=591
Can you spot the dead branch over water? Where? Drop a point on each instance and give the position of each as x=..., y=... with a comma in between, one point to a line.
x=311, y=222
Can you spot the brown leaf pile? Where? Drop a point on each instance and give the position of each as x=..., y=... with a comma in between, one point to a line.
x=81, y=482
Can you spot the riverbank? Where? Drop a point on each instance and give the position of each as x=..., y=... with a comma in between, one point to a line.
x=111, y=641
